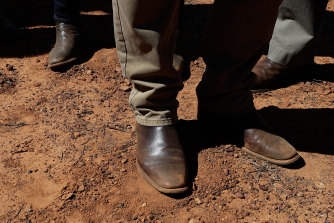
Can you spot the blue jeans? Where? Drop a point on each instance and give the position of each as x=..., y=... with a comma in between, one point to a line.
x=67, y=11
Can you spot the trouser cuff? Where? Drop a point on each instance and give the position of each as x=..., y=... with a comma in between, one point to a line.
x=156, y=122
x=284, y=57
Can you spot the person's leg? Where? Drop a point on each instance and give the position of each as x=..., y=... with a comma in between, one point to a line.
x=291, y=49
x=67, y=18
x=238, y=32
x=145, y=39
x=145, y=33
x=67, y=11
x=295, y=32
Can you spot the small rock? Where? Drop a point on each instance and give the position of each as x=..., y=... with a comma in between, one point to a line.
x=319, y=185
x=81, y=188
x=226, y=172
x=10, y=67
x=263, y=187
x=28, y=221
x=120, y=205
x=192, y=220
x=29, y=171
x=76, y=134
x=29, y=210
x=144, y=204
x=38, y=60
x=37, y=84
x=194, y=187
x=236, y=155
x=125, y=88
x=300, y=194
x=89, y=72
x=123, y=170
x=127, y=82
x=124, y=161
x=240, y=195
x=117, y=69
x=128, y=127
x=198, y=201
x=67, y=196
x=284, y=196
x=230, y=149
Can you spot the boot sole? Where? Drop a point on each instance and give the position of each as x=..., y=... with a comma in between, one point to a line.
x=159, y=188
x=63, y=63
x=274, y=161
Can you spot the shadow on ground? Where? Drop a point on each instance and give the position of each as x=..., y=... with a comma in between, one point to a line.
x=35, y=33
x=309, y=130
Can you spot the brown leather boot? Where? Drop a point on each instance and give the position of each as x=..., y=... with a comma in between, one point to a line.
x=160, y=158
x=272, y=75
x=269, y=147
x=67, y=45
x=250, y=130
x=263, y=141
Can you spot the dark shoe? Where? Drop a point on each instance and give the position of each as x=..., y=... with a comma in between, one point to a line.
x=67, y=46
x=269, y=147
x=271, y=75
x=160, y=158
x=258, y=137
x=261, y=140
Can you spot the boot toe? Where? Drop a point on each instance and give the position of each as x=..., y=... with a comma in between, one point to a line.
x=269, y=147
x=168, y=176
x=59, y=55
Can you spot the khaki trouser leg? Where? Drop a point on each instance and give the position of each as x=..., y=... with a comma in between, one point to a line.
x=145, y=38
x=238, y=31
x=295, y=32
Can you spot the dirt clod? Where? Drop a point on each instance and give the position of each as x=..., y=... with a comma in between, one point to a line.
x=198, y=201
x=240, y=195
x=10, y=67
x=230, y=149
x=124, y=161
x=125, y=88
x=263, y=187
x=319, y=185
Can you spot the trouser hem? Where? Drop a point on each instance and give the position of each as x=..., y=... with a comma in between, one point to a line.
x=286, y=58
x=73, y=21
x=156, y=122
x=279, y=55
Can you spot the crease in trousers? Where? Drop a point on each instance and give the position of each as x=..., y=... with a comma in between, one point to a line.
x=236, y=34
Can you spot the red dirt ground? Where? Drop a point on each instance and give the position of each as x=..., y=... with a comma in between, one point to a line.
x=67, y=139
